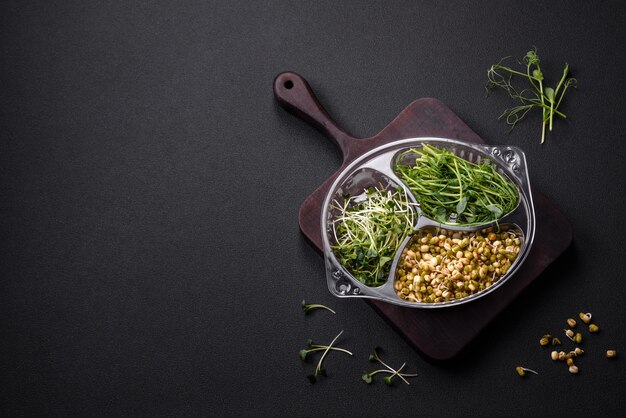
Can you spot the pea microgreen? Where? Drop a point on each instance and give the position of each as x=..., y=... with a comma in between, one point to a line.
x=452, y=190
x=533, y=96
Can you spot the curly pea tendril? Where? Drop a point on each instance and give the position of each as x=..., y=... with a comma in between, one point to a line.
x=535, y=95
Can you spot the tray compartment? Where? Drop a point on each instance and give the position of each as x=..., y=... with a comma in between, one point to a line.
x=443, y=266
x=358, y=210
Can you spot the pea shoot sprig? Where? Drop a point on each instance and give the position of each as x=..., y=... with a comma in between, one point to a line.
x=375, y=357
x=452, y=190
x=308, y=307
x=319, y=371
x=535, y=96
x=369, y=229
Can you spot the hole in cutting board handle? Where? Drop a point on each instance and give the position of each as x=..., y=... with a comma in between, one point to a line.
x=295, y=95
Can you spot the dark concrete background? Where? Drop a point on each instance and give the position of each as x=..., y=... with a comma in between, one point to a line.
x=151, y=262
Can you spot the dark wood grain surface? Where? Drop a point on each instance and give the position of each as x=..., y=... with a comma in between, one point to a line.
x=442, y=333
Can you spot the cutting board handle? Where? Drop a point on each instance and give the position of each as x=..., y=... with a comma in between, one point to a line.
x=295, y=95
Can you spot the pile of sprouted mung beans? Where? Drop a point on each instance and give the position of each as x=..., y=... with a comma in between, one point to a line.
x=441, y=265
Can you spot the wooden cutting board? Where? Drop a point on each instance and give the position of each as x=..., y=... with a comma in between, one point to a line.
x=437, y=333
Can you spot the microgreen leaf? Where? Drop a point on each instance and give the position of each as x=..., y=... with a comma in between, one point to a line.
x=383, y=260
x=440, y=214
x=367, y=378
x=495, y=209
x=460, y=207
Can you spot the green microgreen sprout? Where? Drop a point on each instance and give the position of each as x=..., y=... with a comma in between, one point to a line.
x=452, y=190
x=319, y=371
x=367, y=376
x=368, y=230
x=535, y=95
x=308, y=307
x=318, y=347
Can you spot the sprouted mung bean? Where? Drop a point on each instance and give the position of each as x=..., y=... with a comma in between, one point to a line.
x=443, y=265
x=585, y=317
x=568, y=358
x=522, y=371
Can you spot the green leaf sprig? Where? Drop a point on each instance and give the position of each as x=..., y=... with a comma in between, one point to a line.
x=367, y=377
x=308, y=307
x=452, y=190
x=319, y=371
x=535, y=96
x=369, y=229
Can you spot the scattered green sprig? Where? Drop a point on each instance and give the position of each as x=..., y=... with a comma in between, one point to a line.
x=308, y=307
x=534, y=96
x=318, y=347
x=367, y=377
x=452, y=190
x=369, y=229
x=319, y=371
